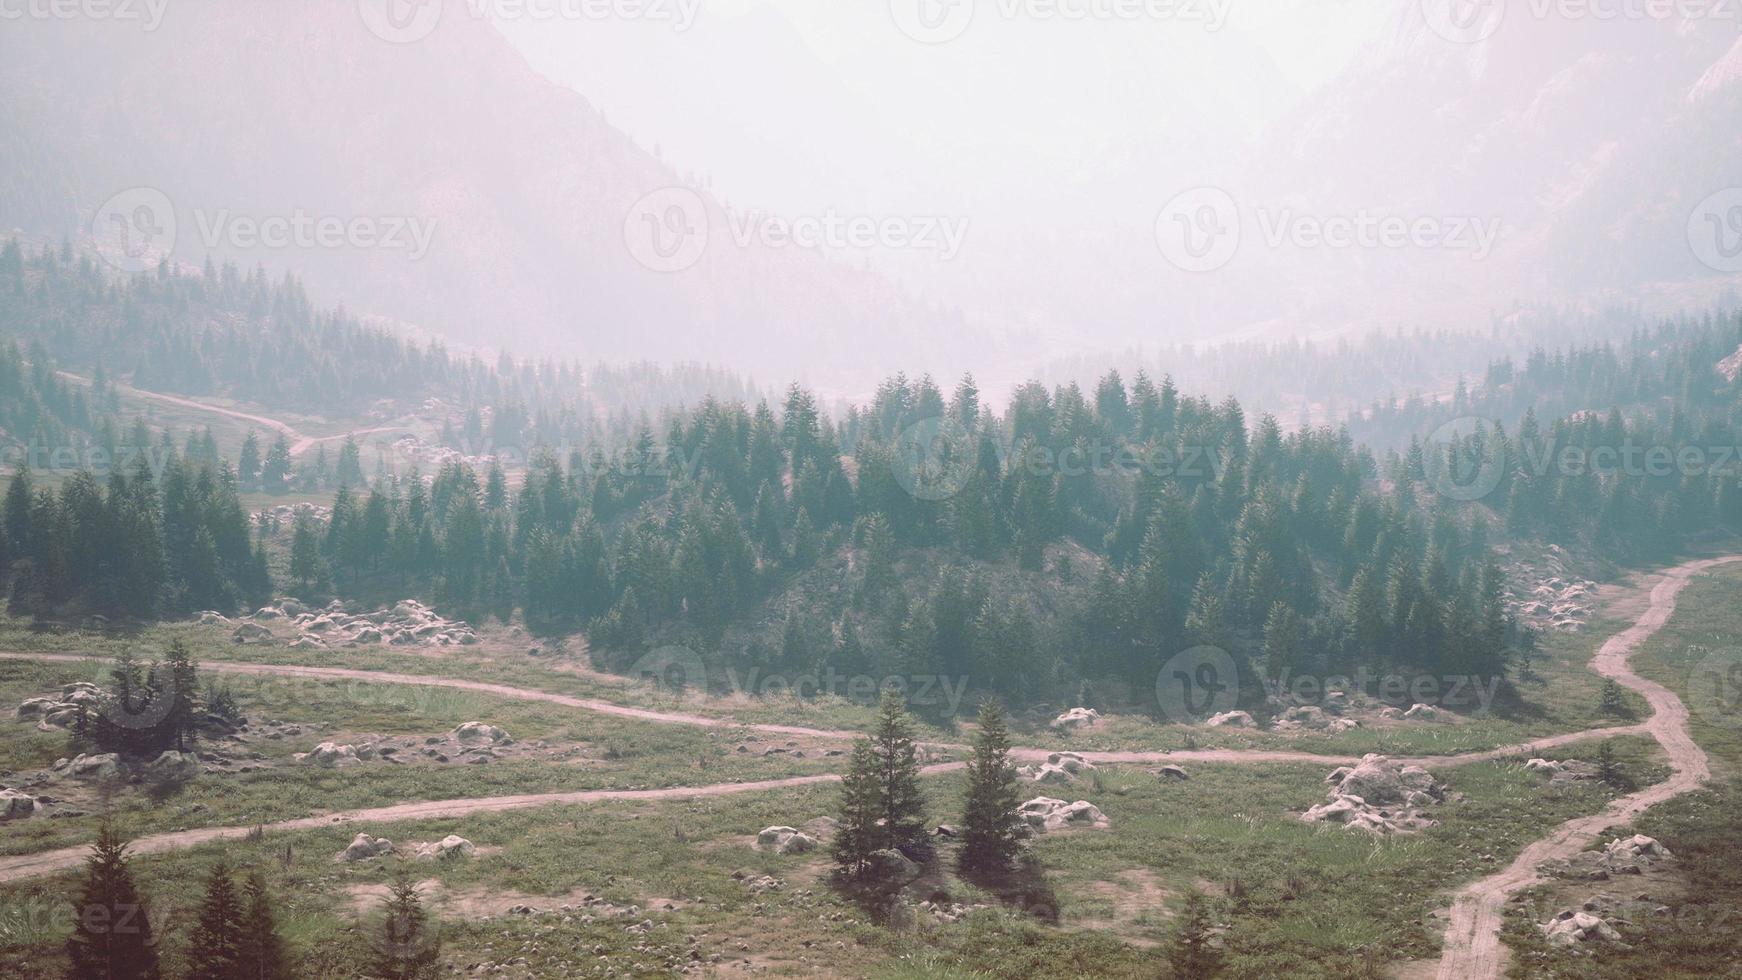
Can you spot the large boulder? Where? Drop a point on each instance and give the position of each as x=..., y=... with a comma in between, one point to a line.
x=251, y=633
x=1077, y=718
x=451, y=847
x=1044, y=813
x=785, y=840
x=1632, y=855
x=892, y=865
x=15, y=805
x=1231, y=719
x=478, y=733
x=104, y=766
x=174, y=766
x=1572, y=928
x=330, y=755
x=363, y=847
x=36, y=707
x=1172, y=774
x=1378, y=796
x=1422, y=712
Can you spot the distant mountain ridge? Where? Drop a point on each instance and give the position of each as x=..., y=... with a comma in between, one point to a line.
x=257, y=109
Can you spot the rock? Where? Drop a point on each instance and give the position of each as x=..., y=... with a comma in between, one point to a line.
x=174, y=766
x=364, y=847
x=15, y=805
x=105, y=766
x=945, y=831
x=1077, y=718
x=1634, y=854
x=1070, y=762
x=1044, y=813
x=1390, y=713
x=1572, y=928
x=1378, y=796
x=1307, y=716
x=1340, y=725
x=211, y=617
x=1231, y=719
x=785, y=840
x=250, y=632
x=476, y=731
x=292, y=607
x=329, y=755
x=36, y=707
x=1050, y=775
x=267, y=614
x=368, y=634
x=892, y=865
x=450, y=847
x=1422, y=712
x=308, y=643
x=1174, y=773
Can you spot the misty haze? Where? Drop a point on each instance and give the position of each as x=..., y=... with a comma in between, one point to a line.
x=898, y=489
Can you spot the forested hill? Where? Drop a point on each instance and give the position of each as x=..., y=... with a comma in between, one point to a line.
x=261, y=341
x=1068, y=537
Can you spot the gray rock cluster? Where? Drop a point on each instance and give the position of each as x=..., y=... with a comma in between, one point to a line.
x=60, y=712
x=408, y=623
x=1046, y=814
x=1060, y=769
x=1378, y=796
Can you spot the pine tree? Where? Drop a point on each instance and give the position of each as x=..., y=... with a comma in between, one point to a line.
x=262, y=955
x=216, y=946
x=1610, y=772
x=276, y=469
x=992, y=828
x=111, y=936
x=180, y=723
x=406, y=944
x=902, y=806
x=305, y=552
x=858, y=833
x=1191, y=956
x=1613, y=703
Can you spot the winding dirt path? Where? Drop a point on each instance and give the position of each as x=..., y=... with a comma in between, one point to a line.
x=1472, y=941
x=1472, y=945
x=299, y=443
x=1021, y=753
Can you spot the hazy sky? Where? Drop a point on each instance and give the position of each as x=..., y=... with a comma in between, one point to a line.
x=1037, y=129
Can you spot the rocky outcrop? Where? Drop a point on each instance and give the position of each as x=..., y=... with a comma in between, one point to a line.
x=1077, y=718
x=478, y=733
x=1046, y=814
x=449, y=848
x=1378, y=796
x=174, y=767
x=785, y=840
x=363, y=847
x=1060, y=769
x=1231, y=719
x=1571, y=928
x=1568, y=771
x=329, y=755
x=892, y=865
x=407, y=623
x=15, y=805
x=104, y=766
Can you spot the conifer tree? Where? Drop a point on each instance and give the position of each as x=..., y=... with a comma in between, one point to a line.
x=902, y=806
x=407, y=946
x=992, y=828
x=262, y=954
x=111, y=936
x=1191, y=956
x=216, y=946
x=858, y=833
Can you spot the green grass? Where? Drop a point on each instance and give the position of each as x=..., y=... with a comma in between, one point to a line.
x=1701, y=936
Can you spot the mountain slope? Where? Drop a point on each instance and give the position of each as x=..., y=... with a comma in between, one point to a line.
x=258, y=109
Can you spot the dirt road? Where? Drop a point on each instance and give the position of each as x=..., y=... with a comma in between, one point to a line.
x=299, y=443
x=1472, y=945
